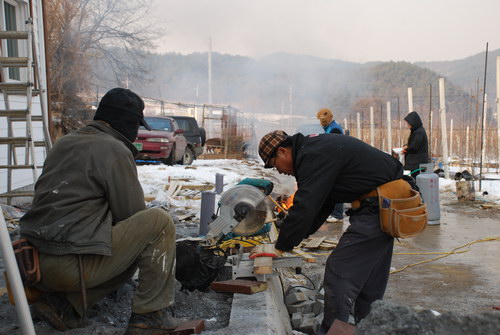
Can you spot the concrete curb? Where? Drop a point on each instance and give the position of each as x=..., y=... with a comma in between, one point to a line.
x=258, y=314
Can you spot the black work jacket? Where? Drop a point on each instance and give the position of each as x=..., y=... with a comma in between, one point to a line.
x=417, y=150
x=330, y=169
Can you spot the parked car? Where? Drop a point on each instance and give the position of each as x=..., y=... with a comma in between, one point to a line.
x=195, y=135
x=165, y=142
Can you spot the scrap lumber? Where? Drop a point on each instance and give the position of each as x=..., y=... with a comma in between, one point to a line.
x=314, y=242
x=190, y=327
x=307, y=258
x=239, y=286
x=489, y=206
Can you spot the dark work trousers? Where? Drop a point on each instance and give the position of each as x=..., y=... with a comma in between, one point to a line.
x=357, y=271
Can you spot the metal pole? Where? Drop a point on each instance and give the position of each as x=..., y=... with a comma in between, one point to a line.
x=389, y=127
x=498, y=111
x=467, y=143
x=483, y=117
x=219, y=183
x=451, y=138
x=210, y=70
x=206, y=211
x=380, y=130
x=410, y=99
x=399, y=118
x=15, y=281
x=372, y=128
x=430, y=122
x=444, y=140
x=358, y=123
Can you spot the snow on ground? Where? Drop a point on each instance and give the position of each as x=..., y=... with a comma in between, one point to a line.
x=155, y=180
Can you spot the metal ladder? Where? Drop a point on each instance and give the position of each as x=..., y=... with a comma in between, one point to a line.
x=28, y=88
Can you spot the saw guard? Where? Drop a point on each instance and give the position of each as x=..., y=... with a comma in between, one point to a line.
x=244, y=209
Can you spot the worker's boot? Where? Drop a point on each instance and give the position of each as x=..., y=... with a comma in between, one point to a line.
x=157, y=322
x=57, y=311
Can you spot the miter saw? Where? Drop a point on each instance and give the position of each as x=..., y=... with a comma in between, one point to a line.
x=244, y=210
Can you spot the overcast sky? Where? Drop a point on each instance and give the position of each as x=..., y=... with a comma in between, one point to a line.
x=351, y=30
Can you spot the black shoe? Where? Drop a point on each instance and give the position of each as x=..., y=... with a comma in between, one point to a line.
x=157, y=322
x=57, y=311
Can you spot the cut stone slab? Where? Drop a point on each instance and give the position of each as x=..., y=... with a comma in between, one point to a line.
x=239, y=286
x=262, y=313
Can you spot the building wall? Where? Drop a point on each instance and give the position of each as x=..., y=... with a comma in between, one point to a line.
x=21, y=178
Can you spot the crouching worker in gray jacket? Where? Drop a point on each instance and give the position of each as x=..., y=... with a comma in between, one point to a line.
x=89, y=213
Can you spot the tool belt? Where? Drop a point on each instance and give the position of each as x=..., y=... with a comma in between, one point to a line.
x=402, y=212
x=28, y=263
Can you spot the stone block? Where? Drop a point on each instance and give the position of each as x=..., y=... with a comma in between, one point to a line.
x=303, y=307
x=318, y=307
x=296, y=320
x=309, y=326
x=295, y=298
x=321, y=294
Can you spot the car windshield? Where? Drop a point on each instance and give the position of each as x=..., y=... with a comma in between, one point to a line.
x=158, y=124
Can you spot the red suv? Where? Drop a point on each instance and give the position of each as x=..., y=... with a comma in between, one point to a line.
x=165, y=142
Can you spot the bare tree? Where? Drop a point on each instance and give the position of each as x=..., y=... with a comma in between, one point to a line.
x=87, y=35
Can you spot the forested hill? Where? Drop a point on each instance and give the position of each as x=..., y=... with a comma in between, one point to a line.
x=265, y=85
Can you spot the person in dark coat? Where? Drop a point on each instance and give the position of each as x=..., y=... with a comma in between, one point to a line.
x=89, y=213
x=332, y=169
x=416, y=150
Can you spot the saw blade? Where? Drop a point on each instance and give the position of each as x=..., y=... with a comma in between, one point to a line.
x=246, y=208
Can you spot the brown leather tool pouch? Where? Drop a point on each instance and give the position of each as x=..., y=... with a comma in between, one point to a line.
x=28, y=262
x=402, y=212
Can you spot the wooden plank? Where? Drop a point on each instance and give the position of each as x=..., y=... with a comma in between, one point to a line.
x=314, y=242
x=190, y=327
x=341, y=328
x=239, y=286
x=307, y=258
x=488, y=206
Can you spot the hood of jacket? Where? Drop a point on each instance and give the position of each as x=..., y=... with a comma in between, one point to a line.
x=414, y=120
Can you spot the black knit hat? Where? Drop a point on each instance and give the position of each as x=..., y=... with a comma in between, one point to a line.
x=120, y=101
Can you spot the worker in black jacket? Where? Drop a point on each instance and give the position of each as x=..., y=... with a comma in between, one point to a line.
x=416, y=150
x=330, y=169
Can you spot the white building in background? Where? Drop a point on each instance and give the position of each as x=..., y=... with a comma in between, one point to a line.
x=14, y=14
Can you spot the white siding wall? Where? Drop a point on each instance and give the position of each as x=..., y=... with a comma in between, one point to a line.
x=21, y=178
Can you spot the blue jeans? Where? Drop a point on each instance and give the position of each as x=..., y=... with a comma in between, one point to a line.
x=338, y=211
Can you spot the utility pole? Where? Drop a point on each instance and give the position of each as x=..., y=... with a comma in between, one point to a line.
x=483, y=119
x=389, y=127
x=358, y=123
x=210, y=71
x=444, y=140
x=498, y=111
x=430, y=121
x=290, y=107
x=372, y=128
x=410, y=99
